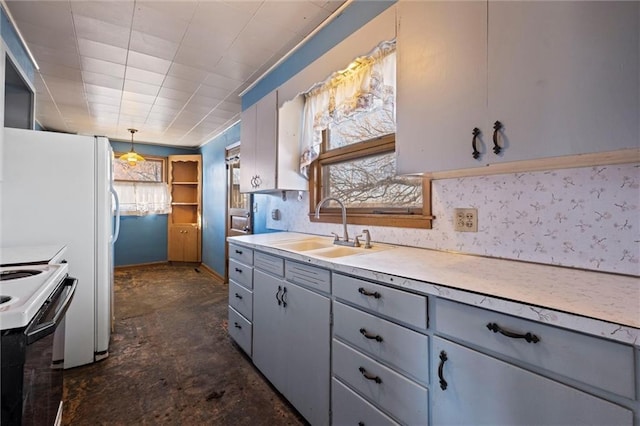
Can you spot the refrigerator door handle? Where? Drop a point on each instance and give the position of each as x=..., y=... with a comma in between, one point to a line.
x=116, y=232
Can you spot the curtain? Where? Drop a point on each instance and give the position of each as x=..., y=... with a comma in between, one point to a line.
x=142, y=198
x=367, y=84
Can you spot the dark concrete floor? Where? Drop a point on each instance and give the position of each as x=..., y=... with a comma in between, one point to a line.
x=171, y=360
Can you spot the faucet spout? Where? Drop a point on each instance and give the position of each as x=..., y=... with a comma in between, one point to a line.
x=344, y=214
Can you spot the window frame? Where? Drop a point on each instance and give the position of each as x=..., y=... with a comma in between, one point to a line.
x=393, y=217
x=162, y=160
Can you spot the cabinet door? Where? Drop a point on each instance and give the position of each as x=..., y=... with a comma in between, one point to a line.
x=483, y=390
x=183, y=243
x=563, y=77
x=270, y=345
x=248, y=148
x=441, y=85
x=266, y=141
x=308, y=343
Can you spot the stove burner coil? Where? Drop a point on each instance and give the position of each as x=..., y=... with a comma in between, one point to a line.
x=15, y=274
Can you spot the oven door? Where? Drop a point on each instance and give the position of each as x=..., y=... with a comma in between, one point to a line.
x=42, y=373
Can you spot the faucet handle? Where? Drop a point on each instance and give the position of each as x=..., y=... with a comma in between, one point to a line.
x=335, y=237
x=367, y=241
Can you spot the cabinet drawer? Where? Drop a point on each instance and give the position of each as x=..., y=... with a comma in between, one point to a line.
x=241, y=254
x=240, y=330
x=402, y=398
x=310, y=276
x=241, y=299
x=268, y=263
x=403, y=349
x=241, y=274
x=397, y=304
x=349, y=408
x=591, y=360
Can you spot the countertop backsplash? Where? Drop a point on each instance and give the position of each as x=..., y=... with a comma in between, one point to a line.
x=583, y=218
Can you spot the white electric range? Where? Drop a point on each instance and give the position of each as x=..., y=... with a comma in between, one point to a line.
x=35, y=293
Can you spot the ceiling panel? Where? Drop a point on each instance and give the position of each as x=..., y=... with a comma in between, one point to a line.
x=172, y=69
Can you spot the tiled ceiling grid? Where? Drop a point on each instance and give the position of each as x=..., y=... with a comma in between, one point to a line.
x=171, y=69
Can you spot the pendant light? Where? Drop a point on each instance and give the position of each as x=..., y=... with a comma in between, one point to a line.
x=132, y=157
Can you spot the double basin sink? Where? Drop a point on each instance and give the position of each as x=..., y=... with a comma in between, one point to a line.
x=323, y=247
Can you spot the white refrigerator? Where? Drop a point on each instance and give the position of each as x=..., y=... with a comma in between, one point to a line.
x=58, y=189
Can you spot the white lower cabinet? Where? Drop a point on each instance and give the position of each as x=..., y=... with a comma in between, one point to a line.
x=473, y=388
x=291, y=342
x=241, y=296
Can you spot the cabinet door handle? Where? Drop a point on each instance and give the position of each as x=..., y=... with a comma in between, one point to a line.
x=530, y=338
x=238, y=270
x=497, y=126
x=476, y=133
x=278, y=295
x=369, y=376
x=238, y=296
x=238, y=251
x=375, y=294
x=236, y=325
x=376, y=337
x=443, y=359
x=284, y=293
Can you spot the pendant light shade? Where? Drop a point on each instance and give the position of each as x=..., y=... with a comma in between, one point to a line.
x=132, y=157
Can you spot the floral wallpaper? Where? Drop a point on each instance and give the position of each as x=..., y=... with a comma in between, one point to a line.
x=584, y=218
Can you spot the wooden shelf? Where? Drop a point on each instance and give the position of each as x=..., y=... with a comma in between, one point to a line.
x=185, y=238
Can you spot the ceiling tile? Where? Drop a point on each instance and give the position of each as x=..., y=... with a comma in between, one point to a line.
x=162, y=22
x=187, y=72
x=102, y=80
x=142, y=88
x=196, y=57
x=118, y=13
x=136, y=74
x=138, y=97
x=103, y=32
x=54, y=15
x=60, y=71
x=67, y=57
x=148, y=62
x=217, y=80
x=176, y=83
x=165, y=92
x=152, y=45
x=221, y=18
x=234, y=70
x=105, y=52
x=98, y=90
x=294, y=16
x=102, y=67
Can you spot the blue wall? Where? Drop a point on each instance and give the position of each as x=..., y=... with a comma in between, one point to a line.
x=143, y=239
x=214, y=199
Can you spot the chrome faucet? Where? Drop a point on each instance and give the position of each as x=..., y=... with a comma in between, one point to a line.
x=345, y=239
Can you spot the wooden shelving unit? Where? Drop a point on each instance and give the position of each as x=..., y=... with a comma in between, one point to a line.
x=185, y=184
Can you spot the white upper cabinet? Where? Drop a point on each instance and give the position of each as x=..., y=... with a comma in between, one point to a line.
x=270, y=146
x=561, y=77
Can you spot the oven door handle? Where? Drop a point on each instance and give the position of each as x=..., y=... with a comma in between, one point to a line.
x=37, y=331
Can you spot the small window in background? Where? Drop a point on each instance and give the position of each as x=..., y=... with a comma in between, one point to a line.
x=142, y=189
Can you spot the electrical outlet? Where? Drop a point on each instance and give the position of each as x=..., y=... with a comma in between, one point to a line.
x=465, y=220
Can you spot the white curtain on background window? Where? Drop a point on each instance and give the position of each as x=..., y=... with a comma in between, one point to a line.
x=366, y=86
x=142, y=198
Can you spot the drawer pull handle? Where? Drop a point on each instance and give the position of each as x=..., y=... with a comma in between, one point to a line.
x=443, y=359
x=368, y=293
x=278, y=295
x=238, y=296
x=476, y=133
x=238, y=270
x=377, y=338
x=369, y=376
x=530, y=338
x=238, y=251
x=284, y=293
x=236, y=325
x=497, y=126
x=360, y=423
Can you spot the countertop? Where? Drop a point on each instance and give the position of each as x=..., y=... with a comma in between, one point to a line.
x=595, y=303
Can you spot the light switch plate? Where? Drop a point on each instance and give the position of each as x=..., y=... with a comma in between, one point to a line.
x=465, y=220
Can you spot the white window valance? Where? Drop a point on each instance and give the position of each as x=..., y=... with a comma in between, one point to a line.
x=143, y=198
x=369, y=83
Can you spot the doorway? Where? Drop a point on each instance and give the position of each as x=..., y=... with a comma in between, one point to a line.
x=239, y=220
